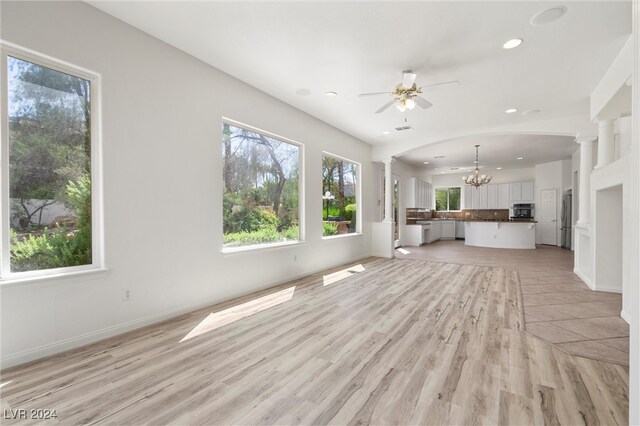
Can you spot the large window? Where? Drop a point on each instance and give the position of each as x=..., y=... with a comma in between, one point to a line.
x=47, y=141
x=261, y=175
x=339, y=196
x=447, y=199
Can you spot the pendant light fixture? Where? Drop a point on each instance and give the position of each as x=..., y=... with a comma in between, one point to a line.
x=476, y=179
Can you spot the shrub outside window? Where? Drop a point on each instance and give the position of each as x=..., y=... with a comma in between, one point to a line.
x=447, y=199
x=261, y=176
x=340, y=192
x=47, y=145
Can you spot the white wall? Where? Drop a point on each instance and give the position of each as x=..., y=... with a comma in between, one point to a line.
x=161, y=121
x=608, y=257
x=499, y=176
x=631, y=215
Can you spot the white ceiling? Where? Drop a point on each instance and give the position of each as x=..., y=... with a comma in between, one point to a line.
x=356, y=47
x=495, y=151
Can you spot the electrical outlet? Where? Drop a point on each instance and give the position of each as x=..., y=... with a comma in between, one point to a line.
x=126, y=295
x=295, y=257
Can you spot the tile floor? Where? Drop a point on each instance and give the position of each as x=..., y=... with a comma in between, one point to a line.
x=558, y=306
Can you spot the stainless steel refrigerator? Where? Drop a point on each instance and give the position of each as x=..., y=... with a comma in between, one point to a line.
x=565, y=230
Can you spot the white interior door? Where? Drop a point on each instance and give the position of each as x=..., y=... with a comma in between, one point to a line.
x=548, y=217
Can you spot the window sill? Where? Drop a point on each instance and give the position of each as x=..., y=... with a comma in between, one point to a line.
x=231, y=251
x=338, y=237
x=54, y=277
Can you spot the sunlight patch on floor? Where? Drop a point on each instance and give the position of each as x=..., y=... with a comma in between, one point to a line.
x=218, y=319
x=403, y=251
x=342, y=274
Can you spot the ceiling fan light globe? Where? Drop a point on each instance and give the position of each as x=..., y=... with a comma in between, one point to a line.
x=409, y=104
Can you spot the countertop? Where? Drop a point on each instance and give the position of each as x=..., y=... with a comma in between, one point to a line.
x=475, y=220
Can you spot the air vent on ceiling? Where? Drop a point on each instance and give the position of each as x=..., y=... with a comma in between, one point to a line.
x=402, y=128
x=439, y=156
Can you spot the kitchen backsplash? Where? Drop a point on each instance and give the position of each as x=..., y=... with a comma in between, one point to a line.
x=420, y=214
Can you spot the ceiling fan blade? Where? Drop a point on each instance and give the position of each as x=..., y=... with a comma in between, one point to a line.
x=422, y=102
x=385, y=106
x=443, y=85
x=408, y=78
x=373, y=94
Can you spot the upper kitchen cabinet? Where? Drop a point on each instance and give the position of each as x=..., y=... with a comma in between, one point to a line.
x=492, y=196
x=504, y=201
x=419, y=194
x=521, y=192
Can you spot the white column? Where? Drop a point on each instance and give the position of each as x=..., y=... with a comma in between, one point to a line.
x=388, y=191
x=606, y=147
x=586, y=166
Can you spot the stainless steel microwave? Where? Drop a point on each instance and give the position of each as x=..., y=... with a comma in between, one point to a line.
x=522, y=211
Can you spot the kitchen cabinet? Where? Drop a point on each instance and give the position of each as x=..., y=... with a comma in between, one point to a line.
x=419, y=194
x=482, y=197
x=521, y=192
x=515, y=192
x=504, y=201
x=447, y=230
x=435, y=231
x=415, y=235
x=468, y=195
x=527, y=192
x=492, y=196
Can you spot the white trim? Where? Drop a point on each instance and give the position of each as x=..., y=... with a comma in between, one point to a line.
x=97, y=223
x=625, y=316
x=608, y=289
x=301, y=182
x=55, y=275
x=227, y=251
x=358, y=188
x=339, y=236
x=584, y=278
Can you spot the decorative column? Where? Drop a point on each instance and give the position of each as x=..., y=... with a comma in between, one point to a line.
x=606, y=148
x=586, y=165
x=388, y=191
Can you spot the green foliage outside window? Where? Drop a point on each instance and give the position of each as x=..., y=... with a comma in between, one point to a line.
x=260, y=199
x=49, y=115
x=448, y=199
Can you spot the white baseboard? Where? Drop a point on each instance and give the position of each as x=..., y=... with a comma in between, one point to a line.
x=91, y=337
x=95, y=336
x=584, y=278
x=625, y=316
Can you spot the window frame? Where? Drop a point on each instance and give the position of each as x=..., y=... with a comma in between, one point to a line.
x=301, y=200
x=358, y=190
x=448, y=188
x=97, y=229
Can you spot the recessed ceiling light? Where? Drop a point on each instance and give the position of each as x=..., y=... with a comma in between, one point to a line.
x=303, y=92
x=520, y=158
x=332, y=94
x=386, y=132
x=498, y=168
x=511, y=110
x=514, y=42
x=426, y=162
x=530, y=112
x=548, y=16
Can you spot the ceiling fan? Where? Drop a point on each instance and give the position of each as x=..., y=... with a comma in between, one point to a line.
x=406, y=94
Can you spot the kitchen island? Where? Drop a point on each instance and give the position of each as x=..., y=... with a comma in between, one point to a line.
x=500, y=234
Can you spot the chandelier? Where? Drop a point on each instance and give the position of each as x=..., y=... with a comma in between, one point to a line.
x=476, y=179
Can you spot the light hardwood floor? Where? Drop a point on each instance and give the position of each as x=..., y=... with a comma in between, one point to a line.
x=387, y=342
